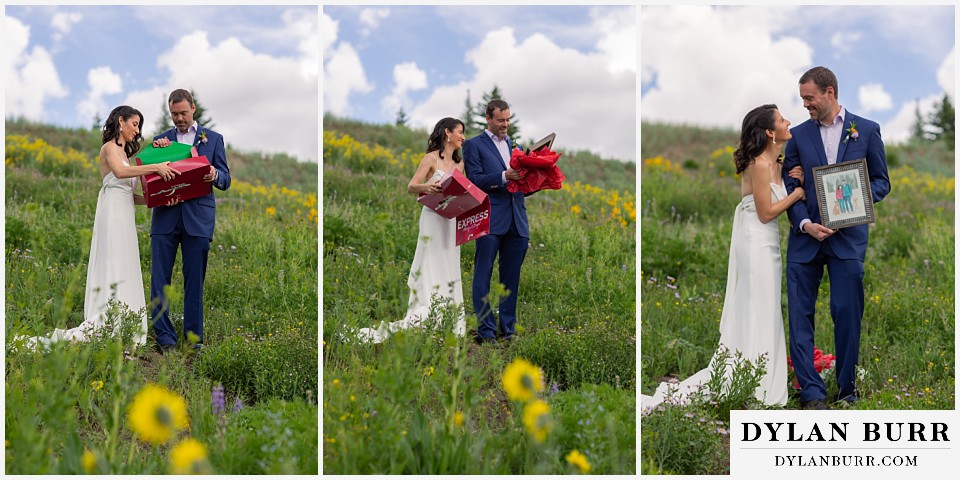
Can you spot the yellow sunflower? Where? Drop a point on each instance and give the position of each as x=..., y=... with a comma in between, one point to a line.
x=536, y=418
x=577, y=459
x=156, y=414
x=521, y=380
x=189, y=457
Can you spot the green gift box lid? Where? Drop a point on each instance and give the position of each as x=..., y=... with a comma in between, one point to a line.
x=176, y=151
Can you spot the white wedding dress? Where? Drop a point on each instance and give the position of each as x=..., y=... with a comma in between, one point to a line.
x=752, y=319
x=435, y=271
x=113, y=269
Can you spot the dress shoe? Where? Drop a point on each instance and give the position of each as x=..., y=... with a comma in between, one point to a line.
x=814, y=405
x=486, y=341
x=167, y=347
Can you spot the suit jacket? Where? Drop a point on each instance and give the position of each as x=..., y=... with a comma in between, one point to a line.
x=199, y=214
x=484, y=167
x=806, y=149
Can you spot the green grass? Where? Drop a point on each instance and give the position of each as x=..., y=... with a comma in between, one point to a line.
x=907, y=343
x=260, y=326
x=391, y=408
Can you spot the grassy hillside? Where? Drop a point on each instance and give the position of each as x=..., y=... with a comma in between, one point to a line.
x=66, y=409
x=577, y=166
x=427, y=402
x=252, y=167
x=907, y=352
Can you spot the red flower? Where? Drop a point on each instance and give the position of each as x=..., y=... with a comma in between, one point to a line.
x=821, y=361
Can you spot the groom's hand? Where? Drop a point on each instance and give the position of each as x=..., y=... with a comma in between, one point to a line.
x=162, y=142
x=210, y=176
x=818, y=231
x=513, y=174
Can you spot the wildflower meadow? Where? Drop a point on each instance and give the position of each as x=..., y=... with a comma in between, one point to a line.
x=560, y=399
x=245, y=404
x=689, y=191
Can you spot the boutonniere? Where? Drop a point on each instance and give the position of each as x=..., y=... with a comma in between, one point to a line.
x=513, y=145
x=852, y=132
x=202, y=138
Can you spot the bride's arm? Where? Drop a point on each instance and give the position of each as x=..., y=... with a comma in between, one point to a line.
x=424, y=172
x=110, y=153
x=760, y=180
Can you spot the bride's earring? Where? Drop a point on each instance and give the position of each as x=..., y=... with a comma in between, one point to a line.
x=774, y=139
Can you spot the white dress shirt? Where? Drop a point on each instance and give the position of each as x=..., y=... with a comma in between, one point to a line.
x=503, y=146
x=830, y=135
x=188, y=137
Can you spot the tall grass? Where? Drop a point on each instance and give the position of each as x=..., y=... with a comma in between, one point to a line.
x=907, y=343
x=428, y=402
x=260, y=328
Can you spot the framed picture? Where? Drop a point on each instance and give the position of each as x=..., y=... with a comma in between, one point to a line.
x=843, y=194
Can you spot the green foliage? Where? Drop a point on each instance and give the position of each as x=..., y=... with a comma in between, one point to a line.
x=260, y=306
x=391, y=408
x=907, y=337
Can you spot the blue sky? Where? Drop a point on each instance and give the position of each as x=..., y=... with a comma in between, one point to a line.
x=564, y=69
x=255, y=68
x=708, y=66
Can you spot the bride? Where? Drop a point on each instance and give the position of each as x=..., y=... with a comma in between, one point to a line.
x=752, y=320
x=113, y=269
x=434, y=278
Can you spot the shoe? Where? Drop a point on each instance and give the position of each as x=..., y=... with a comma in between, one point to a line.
x=167, y=347
x=487, y=341
x=507, y=340
x=817, y=404
x=848, y=400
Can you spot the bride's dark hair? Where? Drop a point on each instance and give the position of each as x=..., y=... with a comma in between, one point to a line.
x=439, y=137
x=111, y=129
x=753, y=135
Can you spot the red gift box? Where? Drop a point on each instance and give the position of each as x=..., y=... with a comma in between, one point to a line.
x=189, y=184
x=474, y=224
x=459, y=196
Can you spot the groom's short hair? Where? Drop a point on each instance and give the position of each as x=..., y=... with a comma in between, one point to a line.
x=180, y=95
x=496, y=104
x=823, y=78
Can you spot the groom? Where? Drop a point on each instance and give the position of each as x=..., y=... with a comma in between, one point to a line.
x=831, y=135
x=187, y=226
x=486, y=159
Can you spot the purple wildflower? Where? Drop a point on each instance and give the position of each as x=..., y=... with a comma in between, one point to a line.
x=238, y=406
x=554, y=388
x=688, y=415
x=218, y=400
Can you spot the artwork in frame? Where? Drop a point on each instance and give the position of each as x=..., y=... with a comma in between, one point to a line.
x=843, y=194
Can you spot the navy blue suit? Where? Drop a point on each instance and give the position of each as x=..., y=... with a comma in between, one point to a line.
x=509, y=236
x=189, y=226
x=842, y=253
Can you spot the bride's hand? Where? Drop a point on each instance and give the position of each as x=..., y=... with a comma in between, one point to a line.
x=797, y=172
x=432, y=188
x=166, y=171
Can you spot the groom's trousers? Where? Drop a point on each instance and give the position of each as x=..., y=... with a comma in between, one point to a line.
x=163, y=249
x=512, y=249
x=846, y=308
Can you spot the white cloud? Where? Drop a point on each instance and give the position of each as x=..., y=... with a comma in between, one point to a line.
x=873, y=98
x=618, y=38
x=343, y=72
x=370, y=18
x=407, y=77
x=30, y=77
x=305, y=28
x=898, y=129
x=845, y=42
x=267, y=104
x=705, y=64
x=102, y=81
x=947, y=74
x=545, y=86
x=62, y=23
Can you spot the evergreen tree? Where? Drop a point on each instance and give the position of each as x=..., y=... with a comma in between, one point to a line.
x=468, y=117
x=943, y=122
x=401, y=117
x=916, y=131
x=97, y=122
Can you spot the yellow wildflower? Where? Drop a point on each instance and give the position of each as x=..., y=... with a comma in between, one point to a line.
x=458, y=418
x=156, y=414
x=271, y=211
x=577, y=459
x=89, y=461
x=575, y=209
x=521, y=380
x=189, y=457
x=536, y=418
x=96, y=385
